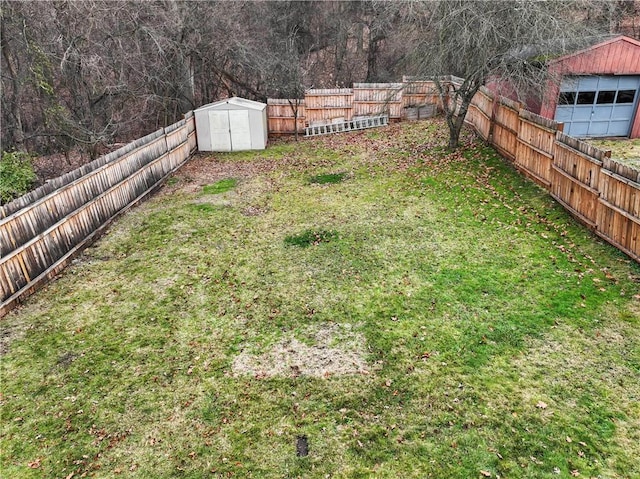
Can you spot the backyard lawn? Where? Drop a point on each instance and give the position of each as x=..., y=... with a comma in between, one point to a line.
x=622, y=149
x=356, y=305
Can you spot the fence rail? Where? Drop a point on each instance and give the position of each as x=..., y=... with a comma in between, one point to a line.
x=41, y=232
x=602, y=193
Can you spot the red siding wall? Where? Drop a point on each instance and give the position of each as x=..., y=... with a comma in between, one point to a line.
x=619, y=56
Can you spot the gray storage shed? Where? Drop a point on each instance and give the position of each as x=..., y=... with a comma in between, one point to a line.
x=234, y=124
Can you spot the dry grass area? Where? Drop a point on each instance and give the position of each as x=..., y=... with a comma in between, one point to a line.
x=335, y=350
x=625, y=150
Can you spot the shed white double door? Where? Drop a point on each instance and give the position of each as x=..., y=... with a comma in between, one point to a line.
x=230, y=130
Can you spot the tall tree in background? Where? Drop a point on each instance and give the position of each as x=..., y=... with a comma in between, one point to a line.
x=503, y=40
x=23, y=76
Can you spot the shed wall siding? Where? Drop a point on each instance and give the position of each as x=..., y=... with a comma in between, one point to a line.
x=202, y=130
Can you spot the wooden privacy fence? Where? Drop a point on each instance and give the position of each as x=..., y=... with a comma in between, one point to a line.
x=409, y=99
x=41, y=232
x=602, y=193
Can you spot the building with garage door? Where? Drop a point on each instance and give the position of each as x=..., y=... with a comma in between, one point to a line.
x=599, y=92
x=234, y=124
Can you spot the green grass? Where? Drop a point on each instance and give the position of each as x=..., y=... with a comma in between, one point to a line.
x=458, y=321
x=221, y=186
x=310, y=238
x=326, y=178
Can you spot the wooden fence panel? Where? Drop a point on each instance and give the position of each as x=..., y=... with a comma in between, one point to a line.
x=416, y=93
x=40, y=239
x=619, y=202
x=32, y=220
x=575, y=175
x=482, y=106
x=65, y=179
x=506, y=125
x=371, y=99
x=619, y=229
x=407, y=99
x=280, y=116
x=534, y=153
x=326, y=105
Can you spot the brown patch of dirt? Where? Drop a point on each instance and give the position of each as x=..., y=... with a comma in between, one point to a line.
x=204, y=170
x=337, y=351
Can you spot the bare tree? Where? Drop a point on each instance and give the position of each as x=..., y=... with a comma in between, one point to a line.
x=505, y=40
x=24, y=76
x=287, y=77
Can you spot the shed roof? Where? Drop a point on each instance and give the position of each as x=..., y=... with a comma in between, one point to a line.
x=237, y=101
x=618, y=55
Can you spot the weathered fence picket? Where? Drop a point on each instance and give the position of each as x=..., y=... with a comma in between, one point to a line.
x=41, y=232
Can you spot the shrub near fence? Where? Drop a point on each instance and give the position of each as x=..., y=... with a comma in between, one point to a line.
x=41, y=232
x=600, y=192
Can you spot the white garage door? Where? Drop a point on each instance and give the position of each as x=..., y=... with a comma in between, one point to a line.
x=592, y=106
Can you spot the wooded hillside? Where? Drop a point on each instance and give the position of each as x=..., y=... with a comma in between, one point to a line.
x=85, y=75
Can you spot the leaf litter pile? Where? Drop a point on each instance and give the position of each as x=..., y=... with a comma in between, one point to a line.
x=356, y=305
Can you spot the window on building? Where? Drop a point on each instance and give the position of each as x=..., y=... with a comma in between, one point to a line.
x=606, y=97
x=567, y=98
x=626, y=96
x=586, y=97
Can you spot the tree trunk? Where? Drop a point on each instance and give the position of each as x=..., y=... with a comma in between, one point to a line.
x=17, y=133
x=454, y=136
x=455, y=126
x=372, y=61
x=295, y=104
